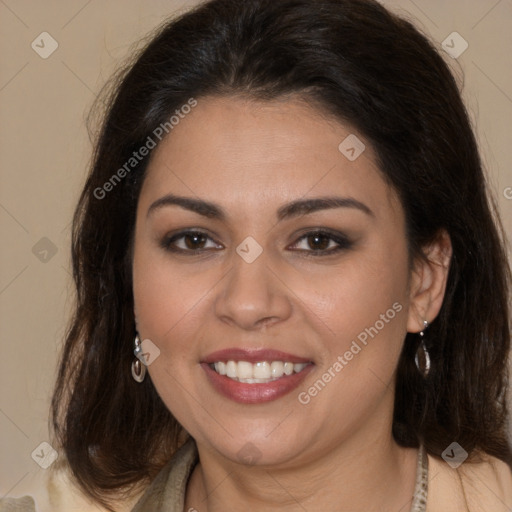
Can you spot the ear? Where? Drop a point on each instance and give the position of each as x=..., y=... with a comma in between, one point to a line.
x=428, y=282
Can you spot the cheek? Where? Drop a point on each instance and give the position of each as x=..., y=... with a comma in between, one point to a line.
x=364, y=299
x=170, y=300
x=166, y=301
x=159, y=296
x=364, y=305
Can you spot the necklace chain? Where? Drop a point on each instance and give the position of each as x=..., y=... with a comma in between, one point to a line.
x=419, y=503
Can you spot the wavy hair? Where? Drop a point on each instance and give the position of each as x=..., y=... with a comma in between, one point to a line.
x=368, y=68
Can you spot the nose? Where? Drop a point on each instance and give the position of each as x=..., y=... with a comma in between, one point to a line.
x=252, y=295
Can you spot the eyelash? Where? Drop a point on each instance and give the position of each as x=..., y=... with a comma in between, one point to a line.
x=343, y=242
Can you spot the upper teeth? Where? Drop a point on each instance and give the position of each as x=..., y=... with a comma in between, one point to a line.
x=259, y=372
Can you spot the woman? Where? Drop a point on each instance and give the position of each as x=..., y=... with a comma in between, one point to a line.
x=292, y=294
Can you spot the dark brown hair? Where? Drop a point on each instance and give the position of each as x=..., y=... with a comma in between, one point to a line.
x=368, y=68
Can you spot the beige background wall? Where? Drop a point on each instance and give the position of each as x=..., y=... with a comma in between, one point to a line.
x=44, y=151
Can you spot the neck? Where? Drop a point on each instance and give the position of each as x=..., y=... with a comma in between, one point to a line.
x=366, y=473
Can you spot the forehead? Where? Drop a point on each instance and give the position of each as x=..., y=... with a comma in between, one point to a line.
x=236, y=150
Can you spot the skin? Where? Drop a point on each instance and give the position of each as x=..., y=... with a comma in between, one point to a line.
x=251, y=158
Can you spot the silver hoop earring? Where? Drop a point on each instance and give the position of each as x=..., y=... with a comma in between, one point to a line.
x=138, y=368
x=422, y=357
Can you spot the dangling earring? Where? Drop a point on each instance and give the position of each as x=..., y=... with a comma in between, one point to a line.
x=138, y=368
x=422, y=357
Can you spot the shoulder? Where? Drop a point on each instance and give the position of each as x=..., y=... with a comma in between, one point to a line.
x=484, y=485
x=24, y=504
x=168, y=489
x=53, y=490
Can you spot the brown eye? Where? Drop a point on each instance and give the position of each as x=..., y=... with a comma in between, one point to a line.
x=189, y=241
x=195, y=241
x=318, y=242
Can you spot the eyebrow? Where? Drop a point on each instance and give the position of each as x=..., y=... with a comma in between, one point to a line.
x=290, y=210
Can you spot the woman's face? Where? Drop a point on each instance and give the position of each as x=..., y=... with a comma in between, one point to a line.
x=275, y=275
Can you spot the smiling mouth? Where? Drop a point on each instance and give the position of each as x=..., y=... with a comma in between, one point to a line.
x=261, y=372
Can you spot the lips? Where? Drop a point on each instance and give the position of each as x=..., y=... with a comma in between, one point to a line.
x=255, y=376
x=252, y=356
